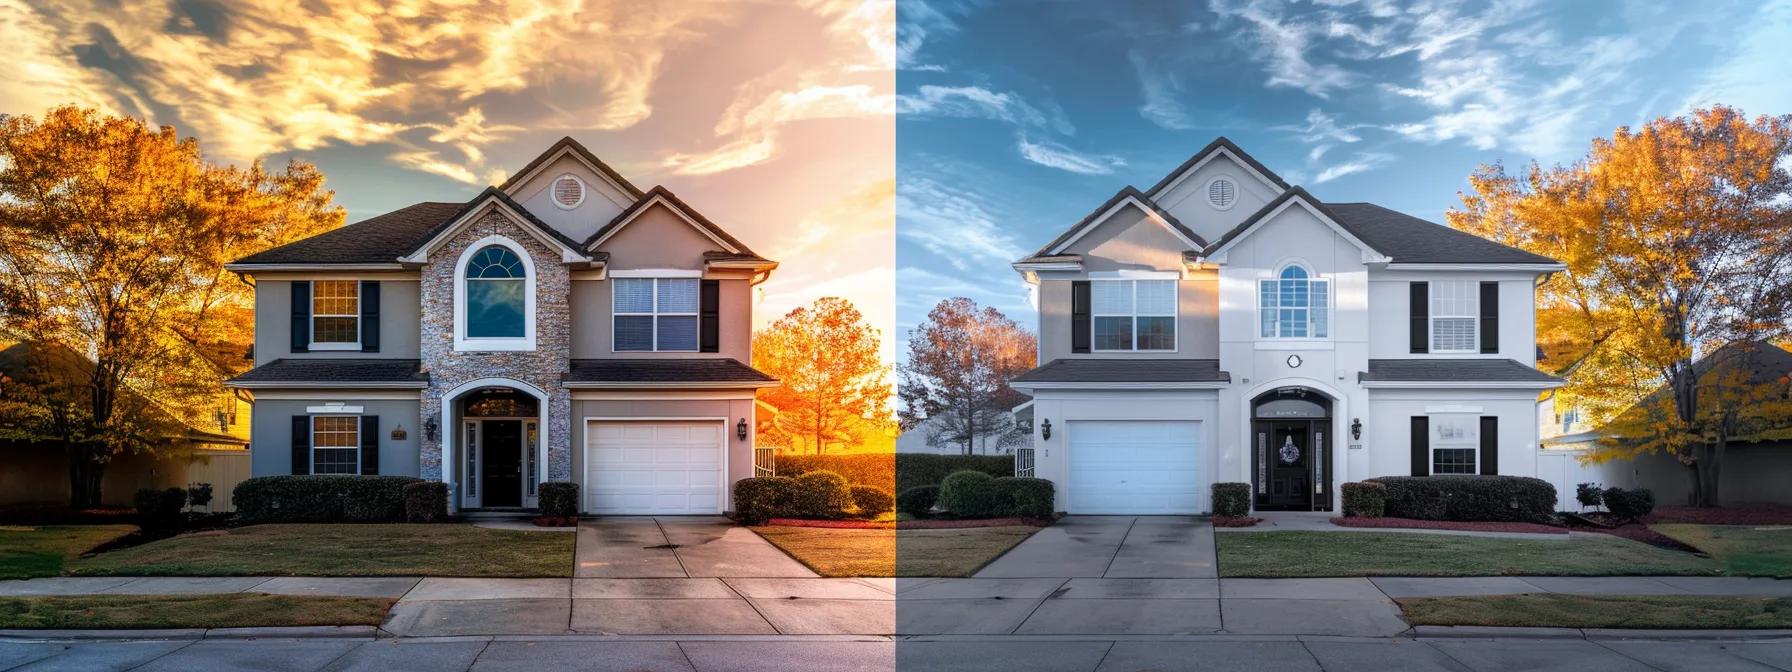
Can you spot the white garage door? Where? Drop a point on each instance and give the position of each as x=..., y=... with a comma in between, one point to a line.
x=653, y=468
x=1135, y=467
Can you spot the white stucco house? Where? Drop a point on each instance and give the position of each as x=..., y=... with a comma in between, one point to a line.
x=1226, y=326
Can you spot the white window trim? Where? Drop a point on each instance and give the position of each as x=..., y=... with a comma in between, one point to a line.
x=1331, y=297
x=1431, y=316
x=654, y=316
x=1433, y=446
x=462, y=343
x=554, y=196
x=312, y=440
x=1175, y=316
x=1207, y=189
x=334, y=345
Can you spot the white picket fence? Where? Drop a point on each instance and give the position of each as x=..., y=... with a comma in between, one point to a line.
x=1023, y=463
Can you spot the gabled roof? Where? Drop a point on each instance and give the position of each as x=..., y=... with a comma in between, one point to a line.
x=569, y=144
x=1410, y=240
x=1128, y=194
x=1126, y=371
x=378, y=240
x=1439, y=371
x=660, y=194
x=472, y=206
x=681, y=372
x=404, y=373
x=1219, y=143
x=1275, y=205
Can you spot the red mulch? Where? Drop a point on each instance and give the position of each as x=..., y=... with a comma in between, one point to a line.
x=923, y=524
x=1236, y=521
x=1642, y=533
x=1758, y=514
x=1476, y=526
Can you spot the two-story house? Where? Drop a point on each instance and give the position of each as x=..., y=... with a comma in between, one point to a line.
x=564, y=326
x=1226, y=326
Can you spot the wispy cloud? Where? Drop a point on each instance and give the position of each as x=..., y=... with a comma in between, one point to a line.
x=977, y=102
x=1053, y=155
x=1752, y=75
x=1322, y=127
x=1162, y=92
x=917, y=20
x=1358, y=163
x=1282, y=43
x=954, y=224
x=750, y=125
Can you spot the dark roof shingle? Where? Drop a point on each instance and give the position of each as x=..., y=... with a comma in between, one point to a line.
x=345, y=371
x=1123, y=194
x=659, y=190
x=683, y=370
x=1127, y=371
x=1410, y=240
x=381, y=239
x=1451, y=370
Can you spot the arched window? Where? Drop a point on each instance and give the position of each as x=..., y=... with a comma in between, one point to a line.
x=1294, y=305
x=496, y=294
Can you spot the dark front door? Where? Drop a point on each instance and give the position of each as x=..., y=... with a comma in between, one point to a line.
x=1284, y=454
x=503, y=463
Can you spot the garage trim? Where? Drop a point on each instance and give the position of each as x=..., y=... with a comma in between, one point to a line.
x=722, y=489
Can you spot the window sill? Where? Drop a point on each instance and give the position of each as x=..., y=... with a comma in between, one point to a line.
x=494, y=345
x=1294, y=344
x=334, y=347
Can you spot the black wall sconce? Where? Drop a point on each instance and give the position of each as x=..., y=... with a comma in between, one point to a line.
x=1045, y=429
x=1356, y=429
x=432, y=429
x=740, y=429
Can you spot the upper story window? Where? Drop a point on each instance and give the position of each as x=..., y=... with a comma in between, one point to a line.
x=1455, y=323
x=495, y=306
x=655, y=314
x=1294, y=305
x=336, y=314
x=1133, y=315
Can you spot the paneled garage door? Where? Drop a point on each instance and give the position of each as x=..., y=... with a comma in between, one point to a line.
x=653, y=468
x=1135, y=467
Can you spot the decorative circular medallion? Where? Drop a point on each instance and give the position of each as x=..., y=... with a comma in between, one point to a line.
x=1288, y=452
x=1294, y=361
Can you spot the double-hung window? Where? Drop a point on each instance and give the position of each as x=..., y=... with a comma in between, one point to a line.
x=1133, y=315
x=1294, y=305
x=655, y=314
x=1455, y=444
x=1454, y=318
x=336, y=314
x=335, y=444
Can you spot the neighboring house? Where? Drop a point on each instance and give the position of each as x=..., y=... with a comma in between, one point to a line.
x=1225, y=326
x=922, y=438
x=564, y=326
x=1752, y=472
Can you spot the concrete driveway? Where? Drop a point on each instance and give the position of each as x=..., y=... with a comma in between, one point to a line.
x=1113, y=547
x=678, y=547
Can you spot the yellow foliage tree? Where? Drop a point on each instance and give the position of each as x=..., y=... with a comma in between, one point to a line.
x=113, y=239
x=1675, y=238
x=834, y=387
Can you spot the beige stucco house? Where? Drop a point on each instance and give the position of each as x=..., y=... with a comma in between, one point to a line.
x=1226, y=326
x=563, y=326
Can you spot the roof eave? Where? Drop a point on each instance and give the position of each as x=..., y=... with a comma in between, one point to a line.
x=326, y=384
x=240, y=267
x=669, y=385
x=1030, y=386
x=1462, y=384
x=1552, y=267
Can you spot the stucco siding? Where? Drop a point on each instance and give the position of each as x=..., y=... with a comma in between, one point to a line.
x=1390, y=305
x=1387, y=431
x=1129, y=241
x=1187, y=200
x=400, y=315
x=592, y=324
x=602, y=202
x=657, y=238
x=271, y=442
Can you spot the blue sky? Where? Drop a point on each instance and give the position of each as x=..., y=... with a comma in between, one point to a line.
x=1015, y=120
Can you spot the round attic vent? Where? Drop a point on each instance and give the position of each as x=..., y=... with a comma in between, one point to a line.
x=569, y=191
x=1221, y=192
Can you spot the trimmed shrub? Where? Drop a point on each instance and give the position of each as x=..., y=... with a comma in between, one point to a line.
x=970, y=494
x=1469, y=498
x=917, y=469
x=199, y=494
x=1231, y=499
x=1629, y=504
x=872, y=501
x=160, y=510
x=757, y=500
x=559, y=499
x=426, y=502
x=895, y=472
x=820, y=495
x=1365, y=500
x=1590, y=495
x=322, y=499
x=1025, y=497
x=918, y=501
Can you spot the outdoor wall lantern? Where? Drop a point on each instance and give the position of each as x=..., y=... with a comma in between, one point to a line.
x=432, y=429
x=1045, y=429
x=1356, y=429
x=740, y=429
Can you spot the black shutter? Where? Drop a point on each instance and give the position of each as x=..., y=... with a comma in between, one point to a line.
x=1421, y=445
x=370, y=316
x=301, y=316
x=1490, y=317
x=1490, y=445
x=1419, y=303
x=1080, y=305
x=370, y=445
x=301, y=445
x=709, y=316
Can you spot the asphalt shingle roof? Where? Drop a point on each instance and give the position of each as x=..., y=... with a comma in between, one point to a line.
x=1410, y=240
x=1448, y=370
x=706, y=370
x=381, y=239
x=1127, y=371
x=1044, y=253
x=335, y=370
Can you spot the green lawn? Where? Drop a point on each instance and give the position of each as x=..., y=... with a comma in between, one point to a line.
x=1284, y=554
x=343, y=550
x=33, y=551
x=234, y=610
x=854, y=552
x=1551, y=610
x=1743, y=550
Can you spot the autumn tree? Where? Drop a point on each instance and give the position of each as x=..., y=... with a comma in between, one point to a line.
x=1676, y=241
x=833, y=385
x=113, y=237
x=960, y=363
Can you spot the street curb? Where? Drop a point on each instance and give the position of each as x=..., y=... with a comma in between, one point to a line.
x=1597, y=634
x=363, y=632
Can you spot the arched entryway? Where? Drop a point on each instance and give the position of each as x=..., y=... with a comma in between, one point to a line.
x=1290, y=450
x=496, y=443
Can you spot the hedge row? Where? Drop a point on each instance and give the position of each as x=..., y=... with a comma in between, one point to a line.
x=821, y=495
x=1469, y=498
x=322, y=499
x=974, y=494
x=895, y=472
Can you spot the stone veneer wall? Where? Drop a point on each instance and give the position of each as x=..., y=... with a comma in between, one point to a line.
x=542, y=367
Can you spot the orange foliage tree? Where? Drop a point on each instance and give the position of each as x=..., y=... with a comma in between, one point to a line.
x=833, y=386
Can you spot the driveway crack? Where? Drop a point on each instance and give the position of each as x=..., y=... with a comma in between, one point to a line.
x=1129, y=525
x=673, y=547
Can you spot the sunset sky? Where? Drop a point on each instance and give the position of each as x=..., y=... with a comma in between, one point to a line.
x=774, y=119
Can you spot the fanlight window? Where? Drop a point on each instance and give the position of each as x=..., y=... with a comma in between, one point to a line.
x=1294, y=305
x=495, y=294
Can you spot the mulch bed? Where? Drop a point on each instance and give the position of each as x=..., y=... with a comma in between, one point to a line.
x=924, y=524
x=1762, y=514
x=1642, y=533
x=1463, y=526
x=1236, y=521
x=47, y=513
